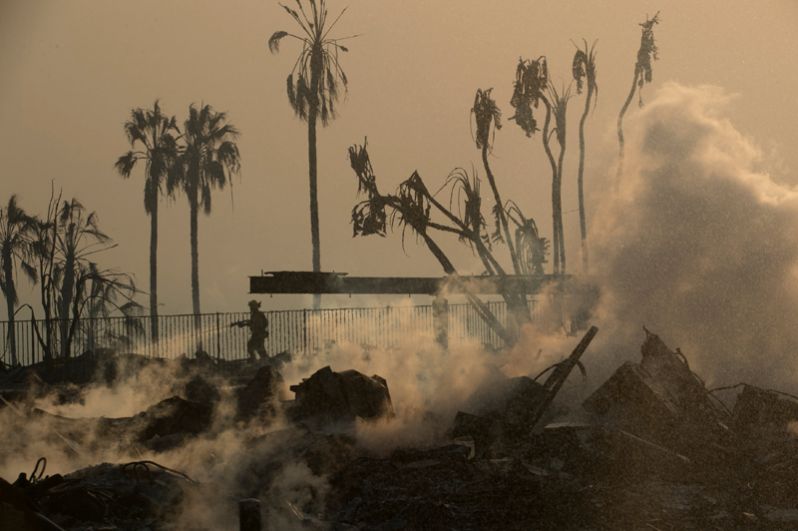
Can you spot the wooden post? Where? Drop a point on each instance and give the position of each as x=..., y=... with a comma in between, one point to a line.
x=560, y=373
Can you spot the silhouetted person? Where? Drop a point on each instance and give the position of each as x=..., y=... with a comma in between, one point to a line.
x=258, y=328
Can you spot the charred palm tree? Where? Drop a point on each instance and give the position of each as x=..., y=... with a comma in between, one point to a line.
x=532, y=247
x=584, y=72
x=487, y=118
x=642, y=75
x=102, y=294
x=557, y=101
x=313, y=87
x=43, y=248
x=15, y=253
x=207, y=160
x=64, y=245
x=77, y=239
x=412, y=207
x=152, y=136
x=530, y=89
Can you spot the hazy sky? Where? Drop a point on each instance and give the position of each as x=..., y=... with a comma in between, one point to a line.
x=70, y=71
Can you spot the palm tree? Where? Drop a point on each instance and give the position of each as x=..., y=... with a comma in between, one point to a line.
x=313, y=87
x=154, y=134
x=77, y=238
x=206, y=161
x=531, y=246
x=584, y=72
x=487, y=117
x=411, y=208
x=642, y=75
x=557, y=103
x=15, y=228
x=530, y=88
x=103, y=293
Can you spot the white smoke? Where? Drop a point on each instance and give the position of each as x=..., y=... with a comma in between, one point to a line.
x=699, y=244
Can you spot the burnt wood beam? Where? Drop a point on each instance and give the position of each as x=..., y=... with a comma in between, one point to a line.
x=296, y=282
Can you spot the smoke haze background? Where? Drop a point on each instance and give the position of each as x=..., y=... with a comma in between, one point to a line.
x=73, y=70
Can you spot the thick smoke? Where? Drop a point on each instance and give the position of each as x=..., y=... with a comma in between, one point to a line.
x=699, y=244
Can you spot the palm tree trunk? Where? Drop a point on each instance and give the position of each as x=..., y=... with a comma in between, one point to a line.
x=626, y=104
x=580, y=180
x=555, y=241
x=560, y=228
x=154, y=271
x=8, y=290
x=12, y=334
x=500, y=210
x=195, y=297
x=65, y=304
x=482, y=309
x=314, y=201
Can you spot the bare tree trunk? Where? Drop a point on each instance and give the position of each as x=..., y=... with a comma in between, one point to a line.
x=65, y=304
x=154, y=270
x=482, y=308
x=580, y=180
x=555, y=243
x=516, y=302
x=626, y=104
x=560, y=228
x=500, y=208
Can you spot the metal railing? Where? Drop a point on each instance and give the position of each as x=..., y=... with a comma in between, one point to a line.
x=298, y=331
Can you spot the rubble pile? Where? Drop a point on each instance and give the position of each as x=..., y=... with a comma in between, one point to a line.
x=653, y=449
x=329, y=396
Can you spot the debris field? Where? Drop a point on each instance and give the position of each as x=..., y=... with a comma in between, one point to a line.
x=655, y=450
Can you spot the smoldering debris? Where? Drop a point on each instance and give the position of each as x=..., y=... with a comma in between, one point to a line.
x=653, y=447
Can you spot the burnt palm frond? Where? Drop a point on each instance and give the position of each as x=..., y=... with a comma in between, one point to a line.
x=531, y=246
x=559, y=107
x=584, y=69
x=274, y=40
x=487, y=118
x=414, y=207
x=531, y=80
x=465, y=201
x=368, y=216
x=647, y=53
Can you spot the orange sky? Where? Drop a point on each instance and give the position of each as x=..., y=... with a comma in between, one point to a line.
x=71, y=71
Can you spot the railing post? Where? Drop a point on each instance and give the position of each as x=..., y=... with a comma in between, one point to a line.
x=32, y=342
x=218, y=337
x=305, y=331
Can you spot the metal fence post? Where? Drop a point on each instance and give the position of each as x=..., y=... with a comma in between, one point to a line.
x=32, y=342
x=218, y=337
x=305, y=331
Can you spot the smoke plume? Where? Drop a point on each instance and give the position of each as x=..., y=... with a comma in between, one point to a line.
x=697, y=242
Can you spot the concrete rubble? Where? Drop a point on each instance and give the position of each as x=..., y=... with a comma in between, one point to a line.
x=653, y=449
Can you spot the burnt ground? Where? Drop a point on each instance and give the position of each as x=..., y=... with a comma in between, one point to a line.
x=659, y=452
